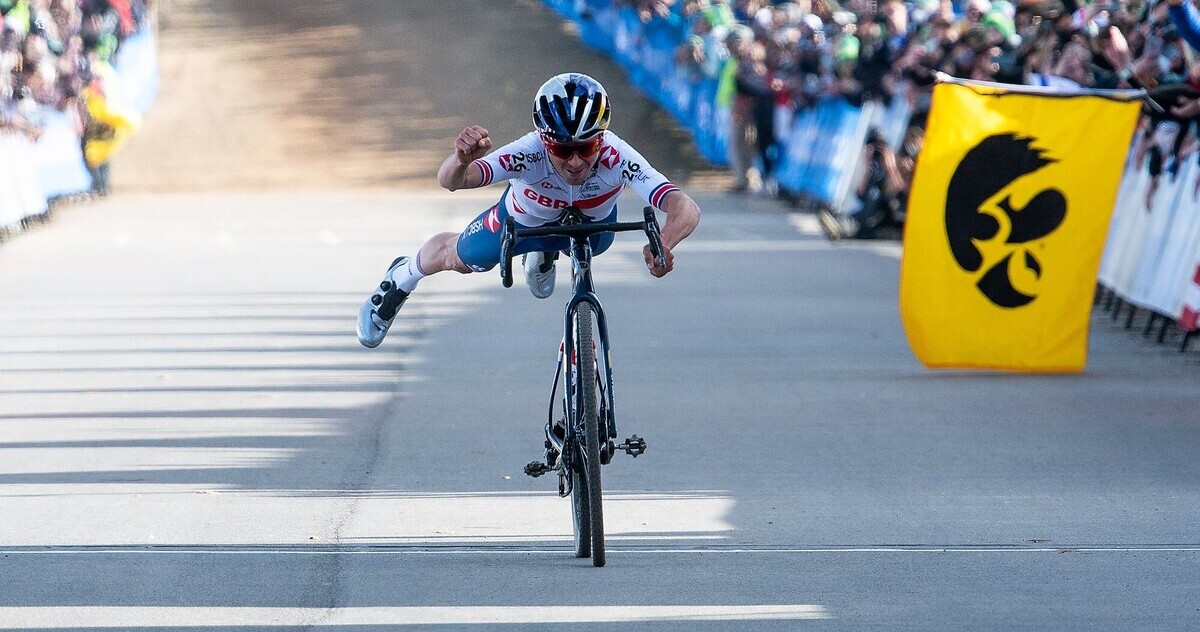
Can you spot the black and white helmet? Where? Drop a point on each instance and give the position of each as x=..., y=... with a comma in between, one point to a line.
x=570, y=108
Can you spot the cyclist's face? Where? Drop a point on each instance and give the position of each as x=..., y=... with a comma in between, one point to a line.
x=576, y=169
x=573, y=161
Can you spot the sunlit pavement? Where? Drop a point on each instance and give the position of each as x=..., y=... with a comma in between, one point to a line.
x=194, y=439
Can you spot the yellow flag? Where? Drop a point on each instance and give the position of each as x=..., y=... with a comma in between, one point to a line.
x=1007, y=217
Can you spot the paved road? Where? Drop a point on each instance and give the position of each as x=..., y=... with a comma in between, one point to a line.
x=192, y=437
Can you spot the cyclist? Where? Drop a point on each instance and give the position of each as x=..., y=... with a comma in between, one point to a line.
x=570, y=159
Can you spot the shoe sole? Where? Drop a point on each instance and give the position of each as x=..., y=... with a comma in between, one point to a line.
x=366, y=323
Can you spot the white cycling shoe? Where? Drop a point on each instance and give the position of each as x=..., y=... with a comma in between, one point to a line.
x=539, y=272
x=377, y=313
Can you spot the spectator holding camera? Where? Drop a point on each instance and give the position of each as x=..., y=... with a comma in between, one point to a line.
x=882, y=192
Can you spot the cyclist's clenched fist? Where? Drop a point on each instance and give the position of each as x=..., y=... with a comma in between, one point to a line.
x=473, y=142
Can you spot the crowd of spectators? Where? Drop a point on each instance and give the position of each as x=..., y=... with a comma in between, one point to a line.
x=775, y=58
x=59, y=54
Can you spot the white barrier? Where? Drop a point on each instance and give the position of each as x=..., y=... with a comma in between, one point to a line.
x=32, y=174
x=20, y=188
x=1153, y=250
x=59, y=157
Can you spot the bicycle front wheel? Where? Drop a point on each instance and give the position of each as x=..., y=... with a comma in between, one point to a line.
x=587, y=400
x=580, y=514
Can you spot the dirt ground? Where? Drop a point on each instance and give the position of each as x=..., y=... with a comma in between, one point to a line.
x=269, y=94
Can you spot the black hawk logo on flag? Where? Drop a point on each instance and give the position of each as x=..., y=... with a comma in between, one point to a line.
x=986, y=170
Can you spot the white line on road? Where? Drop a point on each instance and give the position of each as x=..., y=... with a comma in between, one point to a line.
x=482, y=548
x=749, y=245
x=69, y=617
x=805, y=223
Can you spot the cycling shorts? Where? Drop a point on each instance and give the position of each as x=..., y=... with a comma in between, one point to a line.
x=479, y=245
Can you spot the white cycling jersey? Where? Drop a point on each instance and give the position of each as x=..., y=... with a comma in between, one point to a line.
x=538, y=195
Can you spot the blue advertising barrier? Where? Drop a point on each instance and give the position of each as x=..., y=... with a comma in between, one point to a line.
x=821, y=150
x=647, y=52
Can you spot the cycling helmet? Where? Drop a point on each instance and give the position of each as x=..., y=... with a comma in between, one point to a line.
x=571, y=108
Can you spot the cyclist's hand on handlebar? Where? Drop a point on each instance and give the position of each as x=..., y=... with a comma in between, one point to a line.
x=473, y=142
x=652, y=265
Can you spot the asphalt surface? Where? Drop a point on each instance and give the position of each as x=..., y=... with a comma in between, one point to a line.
x=193, y=438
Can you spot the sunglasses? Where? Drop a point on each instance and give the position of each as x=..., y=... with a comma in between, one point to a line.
x=564, y=151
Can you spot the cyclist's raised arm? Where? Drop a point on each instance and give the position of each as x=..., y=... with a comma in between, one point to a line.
x=471, y=166
x=456, y=172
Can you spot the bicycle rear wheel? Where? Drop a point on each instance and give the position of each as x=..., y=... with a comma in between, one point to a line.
x=586, y=396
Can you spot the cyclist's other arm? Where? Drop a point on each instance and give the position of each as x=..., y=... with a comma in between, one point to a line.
x=683, y=215
x=456, y=171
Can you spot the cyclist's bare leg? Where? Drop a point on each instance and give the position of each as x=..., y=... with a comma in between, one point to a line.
x=440, y=253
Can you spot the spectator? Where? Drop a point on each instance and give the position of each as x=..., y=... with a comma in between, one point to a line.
x=782, y=57
x=14, y=97
x=16, y=16
x=1187, y=19
x=744, y=72
x=56, y=54
x=882, y=191
x=704, y=52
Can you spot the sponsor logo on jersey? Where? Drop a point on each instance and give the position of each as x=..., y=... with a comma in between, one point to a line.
x=545, y=200
x=520, y=161
x=631, y=171
x=609, y=157
x=492, y=221
x=595, y=201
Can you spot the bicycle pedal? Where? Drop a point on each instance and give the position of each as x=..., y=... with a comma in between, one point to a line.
x=536, y=468
x=633, y=446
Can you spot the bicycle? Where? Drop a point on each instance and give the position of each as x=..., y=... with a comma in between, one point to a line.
x=582, y=439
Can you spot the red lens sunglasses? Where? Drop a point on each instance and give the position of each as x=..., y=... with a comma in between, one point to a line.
x=564, y=151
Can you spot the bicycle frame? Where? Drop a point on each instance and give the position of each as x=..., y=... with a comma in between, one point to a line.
x=589, y=423
x=579, y=231
x=581, y=258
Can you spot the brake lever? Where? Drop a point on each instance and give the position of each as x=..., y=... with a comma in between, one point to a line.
x=506, y=251
x=654, y=234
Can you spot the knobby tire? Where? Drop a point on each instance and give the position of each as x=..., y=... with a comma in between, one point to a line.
x=581, y=518
x=586, y=396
